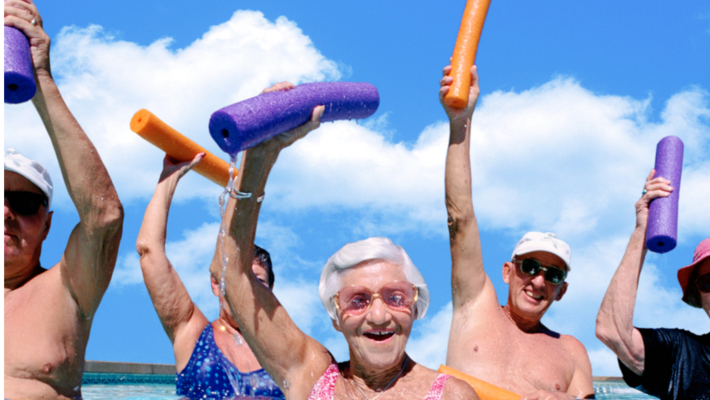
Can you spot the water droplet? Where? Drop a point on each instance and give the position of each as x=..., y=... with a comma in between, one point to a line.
x=285, y=385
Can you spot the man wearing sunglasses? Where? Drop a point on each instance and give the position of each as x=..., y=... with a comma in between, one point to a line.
x=506, y=346
x=665, y=363
x=49, y=312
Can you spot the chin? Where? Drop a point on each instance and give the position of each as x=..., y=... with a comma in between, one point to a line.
x=380, y=356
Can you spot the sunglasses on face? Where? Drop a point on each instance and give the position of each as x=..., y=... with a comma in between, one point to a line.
x=25, y=203
x=703, y=283
x=532, y=267
x=397, y=296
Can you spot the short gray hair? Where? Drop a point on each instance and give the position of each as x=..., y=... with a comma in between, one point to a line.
x=375, y=248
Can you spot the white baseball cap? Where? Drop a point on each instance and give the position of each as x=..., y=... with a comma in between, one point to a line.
x=30, y=169
x=548, y=242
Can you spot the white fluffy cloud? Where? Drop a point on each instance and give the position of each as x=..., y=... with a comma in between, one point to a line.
x=105, y=81
x=555, y=157
x=190, y=256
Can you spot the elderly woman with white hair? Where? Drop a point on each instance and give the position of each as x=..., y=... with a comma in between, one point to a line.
x=370, y=288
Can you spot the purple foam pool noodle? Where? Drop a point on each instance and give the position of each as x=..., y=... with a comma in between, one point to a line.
x=250, y=122
x=662, y=230
x=19, y=79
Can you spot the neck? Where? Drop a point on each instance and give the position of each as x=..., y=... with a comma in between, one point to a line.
x=377, y=380
x=16, y=277
x=524, y=324
x=227, y=324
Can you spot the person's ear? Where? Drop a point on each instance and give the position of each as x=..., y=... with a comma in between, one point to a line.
x=508, y=268
x=215, y=286
x=562, y=291
x=47, y=224
x=336, y=325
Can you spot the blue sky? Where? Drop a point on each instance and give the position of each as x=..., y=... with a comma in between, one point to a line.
x=574, y=98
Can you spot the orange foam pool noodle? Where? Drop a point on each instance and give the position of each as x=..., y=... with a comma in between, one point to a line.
x=485, y=390
x=179, y=147
x=465, y=52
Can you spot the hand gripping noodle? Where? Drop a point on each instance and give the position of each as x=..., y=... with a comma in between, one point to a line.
x=662, y=230
x=465, y=52
x=252, y=121
x=484, y=390
x=19, y=77
x=179, y=147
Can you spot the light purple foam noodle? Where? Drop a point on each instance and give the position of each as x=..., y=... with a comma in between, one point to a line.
x=250, y=122
x=19, y=78
x=662, y=230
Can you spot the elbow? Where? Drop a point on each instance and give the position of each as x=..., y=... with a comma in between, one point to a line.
x=107, y=217
x=605, y=331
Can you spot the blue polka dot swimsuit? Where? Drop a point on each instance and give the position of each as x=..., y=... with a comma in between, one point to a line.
x=210, y=375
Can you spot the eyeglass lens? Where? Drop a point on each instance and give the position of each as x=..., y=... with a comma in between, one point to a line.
x=532, y=267
x=25, y=203
x=357, y=299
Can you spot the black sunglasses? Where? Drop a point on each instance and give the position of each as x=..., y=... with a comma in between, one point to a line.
x=703, y=283
x=532, y=267
x=25, y=203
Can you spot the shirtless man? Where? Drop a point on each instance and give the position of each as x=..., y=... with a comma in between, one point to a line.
x=505, y=346
x=48, y=312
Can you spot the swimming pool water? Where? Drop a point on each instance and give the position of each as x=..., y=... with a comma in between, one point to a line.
x=140, y=391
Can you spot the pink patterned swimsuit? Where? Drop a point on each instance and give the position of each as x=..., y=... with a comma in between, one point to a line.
x=325, y=387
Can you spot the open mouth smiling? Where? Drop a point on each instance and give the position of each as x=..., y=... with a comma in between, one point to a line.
x=379, y=336
x=533, y=295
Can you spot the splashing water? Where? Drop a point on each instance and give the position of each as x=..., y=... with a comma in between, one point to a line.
x=222, y=232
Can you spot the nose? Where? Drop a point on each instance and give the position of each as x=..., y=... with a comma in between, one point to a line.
x=539, y=279
x=377, y=314
x=9, y=214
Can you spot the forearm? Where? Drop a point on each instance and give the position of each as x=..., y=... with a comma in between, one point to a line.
x=615, y=319
x=85, y=175
x=463, y=228
x=153, y=232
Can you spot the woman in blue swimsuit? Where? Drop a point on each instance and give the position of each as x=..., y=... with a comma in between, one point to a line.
x=212, y=359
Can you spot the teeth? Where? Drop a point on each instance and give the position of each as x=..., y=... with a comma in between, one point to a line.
x=531, y=294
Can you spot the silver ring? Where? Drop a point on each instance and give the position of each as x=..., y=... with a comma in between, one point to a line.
x=644, y=192
x=34, y=21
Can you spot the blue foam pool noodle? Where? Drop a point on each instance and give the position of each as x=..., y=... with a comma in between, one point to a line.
x=250, y=122
x=19, y=78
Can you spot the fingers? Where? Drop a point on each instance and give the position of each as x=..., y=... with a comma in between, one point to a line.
x=20, y=14
x=281, y=86
x=288, y=138
x=447, y=70
x=650, y=175
x=198, y=158
x=657, y=187
x=446, y=81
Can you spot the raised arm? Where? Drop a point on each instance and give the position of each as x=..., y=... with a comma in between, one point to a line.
x=182, y=320
x=467, y=274
x=294, y=360
x=615, y=319
x=90, y=256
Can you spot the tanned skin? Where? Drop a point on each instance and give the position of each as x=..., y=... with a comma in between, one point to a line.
x=48, y=312
x=505, y=346
x=182, y=320
x=293, y=359
x=616, y=315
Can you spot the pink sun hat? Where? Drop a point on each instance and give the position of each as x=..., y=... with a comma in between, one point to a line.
x=701, y=253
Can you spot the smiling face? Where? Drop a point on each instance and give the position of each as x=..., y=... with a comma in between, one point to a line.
x=529, y=297
x=378, y=336
x=23, y=233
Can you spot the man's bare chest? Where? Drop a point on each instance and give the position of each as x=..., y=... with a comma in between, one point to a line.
x=44, y=338
x=518, y=361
